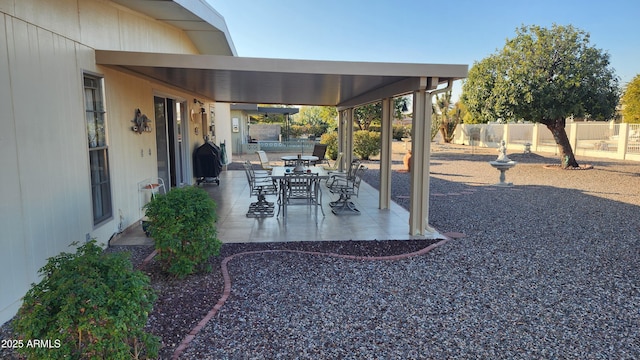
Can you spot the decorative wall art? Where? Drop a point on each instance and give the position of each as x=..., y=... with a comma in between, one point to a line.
x=141, y=123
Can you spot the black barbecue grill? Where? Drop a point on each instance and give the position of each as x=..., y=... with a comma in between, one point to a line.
x=207, y=163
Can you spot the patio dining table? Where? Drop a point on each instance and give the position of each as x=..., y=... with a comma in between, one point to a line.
x=291, y=159
x=279, y=173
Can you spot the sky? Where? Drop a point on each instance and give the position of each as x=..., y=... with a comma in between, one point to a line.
x=422, y=31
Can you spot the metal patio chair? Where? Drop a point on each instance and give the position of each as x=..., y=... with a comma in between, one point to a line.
x=260, y=185
x=334, y=176
x=347, y=188
x=301, y=189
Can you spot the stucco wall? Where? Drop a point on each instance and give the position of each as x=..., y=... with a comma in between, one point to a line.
x=45, y=197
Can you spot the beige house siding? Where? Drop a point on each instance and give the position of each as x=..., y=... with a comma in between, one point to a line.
x=45, y=197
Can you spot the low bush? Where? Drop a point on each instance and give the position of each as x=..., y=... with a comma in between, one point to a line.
x=89, y=305
x=331, y=139
x=401, y=131
x=182, y=224
x=366, y=144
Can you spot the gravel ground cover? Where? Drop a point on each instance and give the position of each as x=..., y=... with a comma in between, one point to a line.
x=547, y=269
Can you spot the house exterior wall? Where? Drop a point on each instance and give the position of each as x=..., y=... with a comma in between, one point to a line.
x=45, y=197
x=240, y=138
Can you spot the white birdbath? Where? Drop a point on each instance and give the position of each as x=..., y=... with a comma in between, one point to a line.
x=503, y=163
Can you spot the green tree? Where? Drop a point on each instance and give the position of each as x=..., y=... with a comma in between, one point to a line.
x=310, y=115
x=400, y=106
x=631, y=101
x=544, y=75
x=329, y=115
x=316, y=119
x=365, y=115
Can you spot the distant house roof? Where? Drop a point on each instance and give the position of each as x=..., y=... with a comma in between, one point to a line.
x=202, y=24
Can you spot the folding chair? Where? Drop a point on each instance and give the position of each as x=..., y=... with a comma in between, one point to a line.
x=320, y=150
x=264, y=161
x=336, y=164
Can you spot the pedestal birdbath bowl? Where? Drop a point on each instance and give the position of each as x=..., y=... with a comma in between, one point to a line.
x=503, y=163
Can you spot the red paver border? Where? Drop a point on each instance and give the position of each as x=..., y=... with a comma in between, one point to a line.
x=227, y=279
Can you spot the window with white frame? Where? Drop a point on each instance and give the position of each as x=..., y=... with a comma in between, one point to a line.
x=98, y=149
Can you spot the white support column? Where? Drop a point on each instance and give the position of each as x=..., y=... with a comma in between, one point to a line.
x=348, y=138
x=342, y=121
x=421, y=152
x=419, y=204
x=385, y=154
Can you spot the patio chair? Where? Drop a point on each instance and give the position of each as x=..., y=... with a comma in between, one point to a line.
x=301, y=189
x=260, y=185
x=343, y=175
x=336, y=164
x=347, y=188
x=320, y=150
x=264, y=161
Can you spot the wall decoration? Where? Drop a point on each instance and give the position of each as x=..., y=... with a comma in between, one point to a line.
x=141, y=123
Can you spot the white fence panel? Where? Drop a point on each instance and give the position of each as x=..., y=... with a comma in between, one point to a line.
x=598, y=136
x=520, y=133
x=545, y=137
x=598, y=139
x=633, y=144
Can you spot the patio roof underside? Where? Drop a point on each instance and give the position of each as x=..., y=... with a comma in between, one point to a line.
x=283, y=81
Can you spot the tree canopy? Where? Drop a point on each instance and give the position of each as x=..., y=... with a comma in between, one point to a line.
x=631, y=101
x=544, y=75
x=366, y=114
x=317, y=116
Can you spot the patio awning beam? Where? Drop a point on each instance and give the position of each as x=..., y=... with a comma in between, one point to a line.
x=399, y=88
x=280, y=81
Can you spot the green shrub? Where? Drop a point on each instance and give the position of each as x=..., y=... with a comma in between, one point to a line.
x=375, y=127
x=331, y=139
x=182, y=224
x=401, y=131
x=89, y=305
x=366, y=144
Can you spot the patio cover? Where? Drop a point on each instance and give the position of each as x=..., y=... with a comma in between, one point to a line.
x=281, y=81
x=342, y=84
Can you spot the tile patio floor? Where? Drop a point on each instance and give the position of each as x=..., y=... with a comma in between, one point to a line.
x=232, y=199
